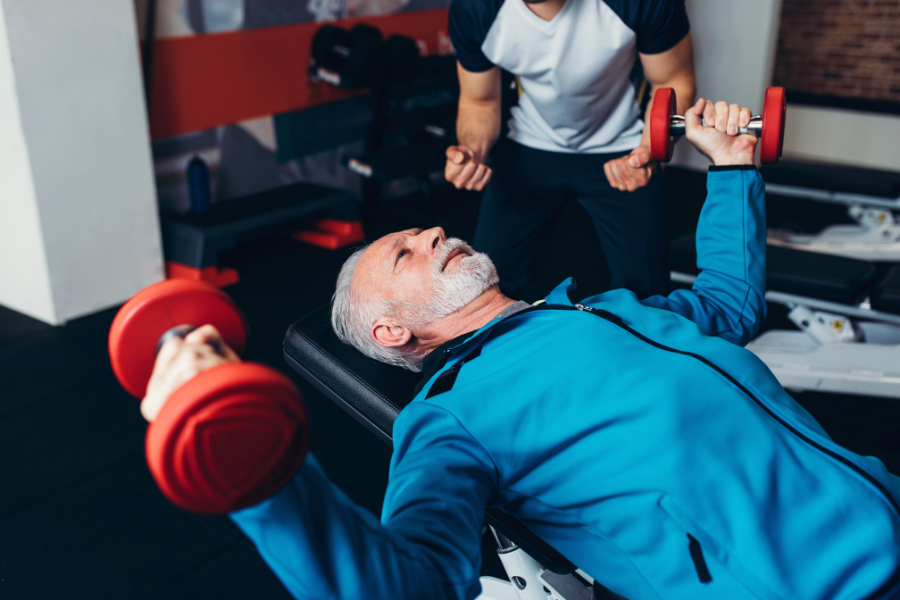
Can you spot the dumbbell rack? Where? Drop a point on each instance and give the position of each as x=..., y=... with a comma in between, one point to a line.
x=386, y=158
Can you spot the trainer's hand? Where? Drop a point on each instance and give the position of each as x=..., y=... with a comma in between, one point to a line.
x=720, y=140
x=181, y=359
x=632, y=171
x=464, y=170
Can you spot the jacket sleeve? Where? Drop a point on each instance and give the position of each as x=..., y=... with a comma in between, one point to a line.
x=728, y=297
x=428, y=544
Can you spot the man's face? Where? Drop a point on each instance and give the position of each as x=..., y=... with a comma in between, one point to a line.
x=423, y=275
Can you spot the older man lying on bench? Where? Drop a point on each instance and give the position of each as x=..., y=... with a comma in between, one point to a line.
x=638, y=438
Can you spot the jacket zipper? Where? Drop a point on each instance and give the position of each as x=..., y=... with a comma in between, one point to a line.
x=617, y=320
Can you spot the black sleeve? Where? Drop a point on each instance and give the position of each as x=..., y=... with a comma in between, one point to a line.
x=662, y=24
x=469, y=23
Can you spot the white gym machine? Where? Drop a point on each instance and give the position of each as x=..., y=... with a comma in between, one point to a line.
x=838, y=348
x=874, y=237
x=529, y=580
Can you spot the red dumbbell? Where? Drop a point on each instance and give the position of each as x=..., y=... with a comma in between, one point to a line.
x=665, y=125
x=231, y=436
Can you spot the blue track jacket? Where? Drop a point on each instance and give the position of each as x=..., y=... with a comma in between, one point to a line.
x=614, y=432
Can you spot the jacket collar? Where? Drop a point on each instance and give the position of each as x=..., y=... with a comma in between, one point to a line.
x=438, y=357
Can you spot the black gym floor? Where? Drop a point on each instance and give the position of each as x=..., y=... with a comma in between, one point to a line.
x=80, y=516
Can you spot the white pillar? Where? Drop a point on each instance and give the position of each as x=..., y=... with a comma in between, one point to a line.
x=846, y=137
x=734, y=54
x=79, y=227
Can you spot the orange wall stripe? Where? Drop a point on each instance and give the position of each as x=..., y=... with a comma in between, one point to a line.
x=209, y=80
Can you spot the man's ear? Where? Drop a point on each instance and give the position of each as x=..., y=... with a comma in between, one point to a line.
x=389, y=334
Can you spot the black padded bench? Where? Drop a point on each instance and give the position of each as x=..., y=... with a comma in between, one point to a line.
x=374, y=393
x=886, y=295
x=810, y=274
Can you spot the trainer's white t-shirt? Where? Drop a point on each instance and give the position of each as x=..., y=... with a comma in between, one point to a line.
x=573, y=69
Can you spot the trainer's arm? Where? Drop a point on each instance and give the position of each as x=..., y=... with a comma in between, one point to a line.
x=728, y=296
x=478, y=121
x=477, y=128
x=673, y=68
x=428, y=545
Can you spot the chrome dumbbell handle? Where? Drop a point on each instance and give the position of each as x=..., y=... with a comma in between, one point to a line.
x=677, y=126
x=179, y=331
x=182, y=331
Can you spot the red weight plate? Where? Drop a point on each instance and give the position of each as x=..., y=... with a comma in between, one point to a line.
x=154, y=310
x=771, y=140
x=661, y=142
x=229, y=438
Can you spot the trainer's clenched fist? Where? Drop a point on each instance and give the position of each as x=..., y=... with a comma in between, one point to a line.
x=631, y=171
x=465, y=170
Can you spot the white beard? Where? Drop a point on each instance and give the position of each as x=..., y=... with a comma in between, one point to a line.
x=474, y=275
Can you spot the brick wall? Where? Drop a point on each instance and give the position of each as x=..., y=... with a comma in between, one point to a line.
x=845, y=48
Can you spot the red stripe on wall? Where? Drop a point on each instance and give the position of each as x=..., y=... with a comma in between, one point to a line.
x=209, y=80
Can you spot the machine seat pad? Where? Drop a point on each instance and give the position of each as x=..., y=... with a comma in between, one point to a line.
x=790, y=271
x=374, y=394
x=886, y=295
x=834, y=178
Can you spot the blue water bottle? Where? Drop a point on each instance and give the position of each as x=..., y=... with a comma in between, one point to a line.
x=198, y=186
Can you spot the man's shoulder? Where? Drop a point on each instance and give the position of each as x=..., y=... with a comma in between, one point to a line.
x=468, y=26
x=481, y=12
x=659, y=24
x=636, y=13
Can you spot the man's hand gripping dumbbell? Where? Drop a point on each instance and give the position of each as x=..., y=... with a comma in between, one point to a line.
x=180, y=360
x=224, y=434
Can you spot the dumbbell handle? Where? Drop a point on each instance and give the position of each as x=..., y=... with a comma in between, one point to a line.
x=182, y=331
x=677, y=126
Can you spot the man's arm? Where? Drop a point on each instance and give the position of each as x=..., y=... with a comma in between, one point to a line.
x=428, y=544
x=321, y=545
x=477, y=128
x=728, y=296
x=673, y=68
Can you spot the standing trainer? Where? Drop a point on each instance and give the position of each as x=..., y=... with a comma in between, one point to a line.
x=577, y=131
